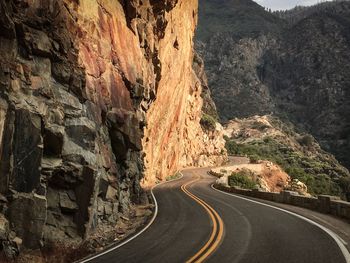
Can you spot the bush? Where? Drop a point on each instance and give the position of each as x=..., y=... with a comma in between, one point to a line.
x=242, y=180
x=344, y=183
x=254, y=159
x=231, y=147
x=208, y=122
x=260, y=126
x=173, y=176
x=306, y=140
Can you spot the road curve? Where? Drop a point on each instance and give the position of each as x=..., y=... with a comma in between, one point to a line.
x=250, y=232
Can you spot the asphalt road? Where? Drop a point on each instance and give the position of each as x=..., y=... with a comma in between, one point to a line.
x=188, y=228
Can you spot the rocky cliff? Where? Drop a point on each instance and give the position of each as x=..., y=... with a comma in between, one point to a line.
x=96, y=96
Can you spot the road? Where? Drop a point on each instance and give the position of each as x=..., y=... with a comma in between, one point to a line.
x=196, y=223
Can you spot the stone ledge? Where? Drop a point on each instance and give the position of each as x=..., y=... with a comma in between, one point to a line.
x=324, y=203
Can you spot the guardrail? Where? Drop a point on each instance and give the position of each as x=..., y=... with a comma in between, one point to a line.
x=323, y=203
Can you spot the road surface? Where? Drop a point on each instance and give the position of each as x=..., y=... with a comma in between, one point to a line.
x=196, y=223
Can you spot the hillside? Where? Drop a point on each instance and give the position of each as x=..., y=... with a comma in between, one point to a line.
x=239, y=18
x=309, y=72
x=298, y=13
x=300, y=74
x=268, y=138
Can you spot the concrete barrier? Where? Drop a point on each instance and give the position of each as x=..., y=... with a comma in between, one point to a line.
x=323, y=203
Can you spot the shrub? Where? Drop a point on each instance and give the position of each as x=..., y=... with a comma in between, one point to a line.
x=306, y=140
x=344, y=183
x=208, y=122
x=242, y=180
x=173, y=176
x=231, y=147
x=226, y=138
x=260, y=126
x=254, y=159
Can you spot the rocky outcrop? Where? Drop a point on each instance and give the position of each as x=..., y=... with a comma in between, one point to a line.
x=268, y=138
x=95, y=97
x=266, y=175
x=208, y=106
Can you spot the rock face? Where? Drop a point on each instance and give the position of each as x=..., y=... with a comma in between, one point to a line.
x=233, y=79
x=95, y=97
x=296, y=68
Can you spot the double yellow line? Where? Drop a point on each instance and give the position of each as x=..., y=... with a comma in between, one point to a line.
x=217, y=230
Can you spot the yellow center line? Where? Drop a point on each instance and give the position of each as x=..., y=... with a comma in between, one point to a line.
x=211, y=217
x=211, y=244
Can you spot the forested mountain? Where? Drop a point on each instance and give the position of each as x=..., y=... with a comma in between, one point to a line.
x=237, y=17
x=295, y=66
x=294, y=15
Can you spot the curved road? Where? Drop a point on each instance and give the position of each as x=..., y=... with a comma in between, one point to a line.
x=196, y=223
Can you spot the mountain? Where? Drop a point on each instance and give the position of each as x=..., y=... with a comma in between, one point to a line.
x=231, y=37
x=240, y=18
x=299, y=72
x=310, y=79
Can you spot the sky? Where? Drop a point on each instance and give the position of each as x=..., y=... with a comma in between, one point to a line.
x=284, y=4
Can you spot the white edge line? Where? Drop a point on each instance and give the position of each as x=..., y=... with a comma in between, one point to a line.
x=335, y=237
x=139, y=233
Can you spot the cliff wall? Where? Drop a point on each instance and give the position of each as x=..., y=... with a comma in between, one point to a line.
x=96, y=96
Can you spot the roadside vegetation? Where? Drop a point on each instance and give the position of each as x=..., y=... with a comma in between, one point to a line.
x=173, y=176
x=320, y=176
x=242, y=179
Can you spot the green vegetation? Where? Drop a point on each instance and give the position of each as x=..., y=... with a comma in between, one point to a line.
x=242, y=179
x=173, y=177
x=306, y=140
x=260, y=126
x=344, y=183
x=241, y=18
x=254, y=158
x=320, y=176
x=208, y=122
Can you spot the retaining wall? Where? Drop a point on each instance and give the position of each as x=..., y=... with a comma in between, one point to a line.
x=323, y=203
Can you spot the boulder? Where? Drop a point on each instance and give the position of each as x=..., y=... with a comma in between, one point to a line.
x=299, y=187
x=111, y=194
